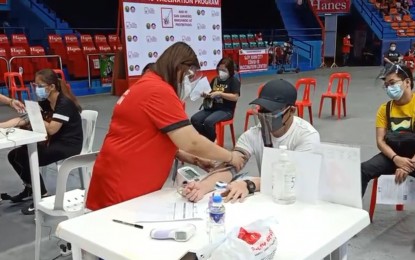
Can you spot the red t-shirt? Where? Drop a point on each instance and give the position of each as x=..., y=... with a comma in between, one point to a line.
x=346, y=45
x=137, y=154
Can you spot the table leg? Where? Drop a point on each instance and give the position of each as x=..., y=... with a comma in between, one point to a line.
x=340, y=253
x=34, y=171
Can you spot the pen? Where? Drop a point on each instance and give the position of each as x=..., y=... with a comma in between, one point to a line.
x=128, y=224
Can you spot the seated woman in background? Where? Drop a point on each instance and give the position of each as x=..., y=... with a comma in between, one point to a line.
x=219, y=105
x=61, y=115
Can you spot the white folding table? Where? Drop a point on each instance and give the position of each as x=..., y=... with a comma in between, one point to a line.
x=305, y=231
x=16, y=137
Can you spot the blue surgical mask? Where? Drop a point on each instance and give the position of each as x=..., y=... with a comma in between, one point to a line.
x=394, y=91
x=41, y=93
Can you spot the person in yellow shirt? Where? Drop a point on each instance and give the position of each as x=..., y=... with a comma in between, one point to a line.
x=395, y=119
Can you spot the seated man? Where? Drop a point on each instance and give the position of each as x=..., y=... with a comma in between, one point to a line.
x=392, y=56
x=278, y=127
x=394, y=118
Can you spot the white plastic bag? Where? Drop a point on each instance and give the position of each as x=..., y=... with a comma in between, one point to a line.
x=259, y=233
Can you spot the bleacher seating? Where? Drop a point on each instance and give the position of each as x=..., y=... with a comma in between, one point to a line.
x=77, y=65
x=3, y=63
x=21, y=65
x=71, y=40
x=5, y=44
x=102, y=44
x=402, y=23
x=20, y=40
x=57, y=47
x=114, y=42
x=39, y=62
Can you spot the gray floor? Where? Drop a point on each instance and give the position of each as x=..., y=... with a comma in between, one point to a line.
x=391, y=236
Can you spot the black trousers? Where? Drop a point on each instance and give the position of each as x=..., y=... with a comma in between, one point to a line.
x=204, y=121
x=378, y=165
x=19, y=159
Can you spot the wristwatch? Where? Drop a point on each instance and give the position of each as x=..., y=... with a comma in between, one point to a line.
x=251, y=186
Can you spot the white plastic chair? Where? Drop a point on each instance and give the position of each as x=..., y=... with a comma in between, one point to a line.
x=68, y=204
x=89, y=121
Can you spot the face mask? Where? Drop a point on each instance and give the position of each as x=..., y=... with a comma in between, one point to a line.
x=392, y=48
x=223, y=75
x=394, y=91
x=186, y=87
x=41, y=93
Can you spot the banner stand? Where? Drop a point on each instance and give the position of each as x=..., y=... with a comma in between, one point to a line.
x=330, y=40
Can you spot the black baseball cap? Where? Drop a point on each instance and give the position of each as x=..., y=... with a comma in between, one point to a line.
x=276, y=95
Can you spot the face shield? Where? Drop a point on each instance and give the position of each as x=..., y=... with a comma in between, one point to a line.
x=40, y=91
x=271, y=122
x=190, y=80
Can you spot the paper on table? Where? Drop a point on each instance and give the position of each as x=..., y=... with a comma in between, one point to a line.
x=202, y=86
x=167, y=212
x=390, y=193
x=35, y=117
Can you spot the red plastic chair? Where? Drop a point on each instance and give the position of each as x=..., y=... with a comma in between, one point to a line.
x=61, y=75
x=220, y=132
x=251, y=111
x=338, y=97
x=399, y=207
x=305, y=102
x=16, y=87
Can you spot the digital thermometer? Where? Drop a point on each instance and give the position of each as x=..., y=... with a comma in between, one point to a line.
x=180, y=234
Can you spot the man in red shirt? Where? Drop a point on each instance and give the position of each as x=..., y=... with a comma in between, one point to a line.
x=346, y=49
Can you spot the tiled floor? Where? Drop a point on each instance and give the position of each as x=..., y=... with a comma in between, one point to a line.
x=391, y=236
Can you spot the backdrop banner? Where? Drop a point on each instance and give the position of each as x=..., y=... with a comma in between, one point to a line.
x=151, y=26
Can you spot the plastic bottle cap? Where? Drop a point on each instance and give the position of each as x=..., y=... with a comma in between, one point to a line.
x=221, y=185
x=217, y=199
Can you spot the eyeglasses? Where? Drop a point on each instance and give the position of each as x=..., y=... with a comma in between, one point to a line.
x=35, y=85
x=391, y=83
x=273, y=114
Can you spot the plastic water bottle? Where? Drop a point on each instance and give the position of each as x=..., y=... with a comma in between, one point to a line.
x=283, y=179
x=220, y=188
x=216, y=220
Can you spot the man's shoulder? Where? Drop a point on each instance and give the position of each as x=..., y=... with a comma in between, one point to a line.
x=303, y=125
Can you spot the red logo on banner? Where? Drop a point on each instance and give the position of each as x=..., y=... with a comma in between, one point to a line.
x=331, y=6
